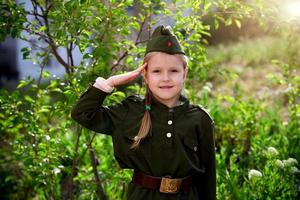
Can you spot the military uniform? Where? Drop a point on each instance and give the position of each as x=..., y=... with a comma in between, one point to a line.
x=180, y=142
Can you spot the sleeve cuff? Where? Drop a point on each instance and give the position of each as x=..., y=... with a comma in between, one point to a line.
x=101, y=84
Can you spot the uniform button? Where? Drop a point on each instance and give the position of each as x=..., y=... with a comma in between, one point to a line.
x=169, y=135
x=170, y=122
x=195, y=148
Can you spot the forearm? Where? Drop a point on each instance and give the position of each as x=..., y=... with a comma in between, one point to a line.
x=88, y=110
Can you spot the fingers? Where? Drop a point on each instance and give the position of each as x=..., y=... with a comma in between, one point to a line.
x=141, y=68
x=127, y=77
x=133, y=74
x=138, y=71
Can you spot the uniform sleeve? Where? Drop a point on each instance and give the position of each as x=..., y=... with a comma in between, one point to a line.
x=207, y=180
x=89, y=112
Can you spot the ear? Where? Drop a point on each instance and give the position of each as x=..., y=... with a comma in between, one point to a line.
x=144, y=75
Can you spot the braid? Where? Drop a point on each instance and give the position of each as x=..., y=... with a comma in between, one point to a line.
x=145, y=124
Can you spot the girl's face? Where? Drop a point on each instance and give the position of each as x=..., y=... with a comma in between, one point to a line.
x=165, y=76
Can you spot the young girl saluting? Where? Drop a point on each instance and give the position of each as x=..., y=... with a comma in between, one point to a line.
x=166, y=140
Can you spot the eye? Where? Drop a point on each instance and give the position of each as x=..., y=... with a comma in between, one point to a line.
x=174, y=70
x=155, y=71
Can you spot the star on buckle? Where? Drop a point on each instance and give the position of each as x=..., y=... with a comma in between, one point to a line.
x=169, y=185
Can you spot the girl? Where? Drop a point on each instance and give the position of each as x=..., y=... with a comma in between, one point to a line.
x=166, y=140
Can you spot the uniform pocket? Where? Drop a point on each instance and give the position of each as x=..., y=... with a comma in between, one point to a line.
x=191, y=146
x=128, y=138
x=123, y=139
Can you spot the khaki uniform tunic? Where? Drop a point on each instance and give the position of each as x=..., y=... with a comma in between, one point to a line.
x=180, y=142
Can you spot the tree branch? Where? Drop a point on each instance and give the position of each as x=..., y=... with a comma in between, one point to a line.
x=100, y=191
x=70, y=55
x=74, y=163
x=47, y=37
x=117, y=63
x=89, y=144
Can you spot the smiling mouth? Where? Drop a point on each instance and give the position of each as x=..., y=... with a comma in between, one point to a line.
x=165, y=87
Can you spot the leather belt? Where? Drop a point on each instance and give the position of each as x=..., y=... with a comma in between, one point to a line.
x=164, y=184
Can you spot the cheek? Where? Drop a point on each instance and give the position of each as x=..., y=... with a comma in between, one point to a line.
x=149, y=79
x=180, y=78
x=152, y=78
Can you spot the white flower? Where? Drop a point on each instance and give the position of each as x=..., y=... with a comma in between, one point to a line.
x=206, y=88
x=290, y=162
x=254, y=173
x=47, y=137
x=289, y=88
x=209, y=84
x=295, y=170
x=279, y=163
x=272, y=151
x=56, y=171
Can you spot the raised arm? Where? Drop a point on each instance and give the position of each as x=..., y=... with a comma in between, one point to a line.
x=89, y=112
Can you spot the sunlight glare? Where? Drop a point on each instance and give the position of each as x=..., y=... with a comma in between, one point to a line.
x=291, y=10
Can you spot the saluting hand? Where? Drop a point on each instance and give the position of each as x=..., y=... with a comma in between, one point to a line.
x=122, y=79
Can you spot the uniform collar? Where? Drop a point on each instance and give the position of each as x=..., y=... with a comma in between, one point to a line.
x=183, y=105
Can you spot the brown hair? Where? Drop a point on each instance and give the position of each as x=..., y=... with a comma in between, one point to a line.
x=146, y=120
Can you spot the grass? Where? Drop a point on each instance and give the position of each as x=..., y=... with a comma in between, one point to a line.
x=255, y=107
x=245, y=67
x=248, y=52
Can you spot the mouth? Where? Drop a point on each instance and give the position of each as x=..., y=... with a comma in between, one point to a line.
x=165, y=87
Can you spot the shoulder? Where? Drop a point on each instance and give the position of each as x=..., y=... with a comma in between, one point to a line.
x=200, y=111
x=135, y=98
x=133, y=101
x=129, y=101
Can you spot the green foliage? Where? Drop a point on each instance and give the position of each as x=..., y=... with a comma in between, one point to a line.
x=46, y=155
x=12, y=17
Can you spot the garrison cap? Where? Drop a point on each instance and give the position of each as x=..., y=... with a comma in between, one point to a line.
x=164, y=40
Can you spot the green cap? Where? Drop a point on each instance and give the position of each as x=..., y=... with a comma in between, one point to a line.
x=164, y=40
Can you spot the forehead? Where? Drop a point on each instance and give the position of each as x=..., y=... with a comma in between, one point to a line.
x=165, y=60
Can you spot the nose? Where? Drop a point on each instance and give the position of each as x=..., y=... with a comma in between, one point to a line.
x=166, y=76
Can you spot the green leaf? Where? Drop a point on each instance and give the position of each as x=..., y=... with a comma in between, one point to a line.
x=207, y=6
x=43, y=28
x=238, y=23
x=56, y=90
x=28, y=98
x=228, y=21
x=46, y=74
x=23, y=83
x=43, y=110
x=25, y=52
x=216, y=23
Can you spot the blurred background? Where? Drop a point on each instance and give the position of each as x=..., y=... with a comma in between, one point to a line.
x=243, y=68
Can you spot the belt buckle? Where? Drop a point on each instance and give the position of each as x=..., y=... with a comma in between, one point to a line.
x=169, y=185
